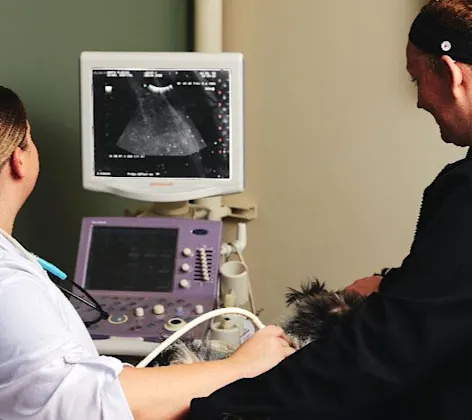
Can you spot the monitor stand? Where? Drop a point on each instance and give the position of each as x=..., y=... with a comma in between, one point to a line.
x=211, y=208
x=178, y=209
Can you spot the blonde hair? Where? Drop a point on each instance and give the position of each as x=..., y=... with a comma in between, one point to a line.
x=13, y=124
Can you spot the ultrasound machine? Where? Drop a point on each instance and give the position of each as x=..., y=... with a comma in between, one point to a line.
x=159, y=128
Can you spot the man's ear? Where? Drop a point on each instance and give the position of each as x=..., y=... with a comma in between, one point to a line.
x=454, y=72
x=17, y=164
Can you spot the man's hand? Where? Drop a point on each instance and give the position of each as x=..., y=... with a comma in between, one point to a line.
x=265, y=349
x=365, y=286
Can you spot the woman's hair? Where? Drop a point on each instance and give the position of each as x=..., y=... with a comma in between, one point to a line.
x=13, y=124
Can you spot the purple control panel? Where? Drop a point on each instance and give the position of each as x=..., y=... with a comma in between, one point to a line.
x=152, y=275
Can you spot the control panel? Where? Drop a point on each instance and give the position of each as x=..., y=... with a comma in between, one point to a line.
x=152, y=275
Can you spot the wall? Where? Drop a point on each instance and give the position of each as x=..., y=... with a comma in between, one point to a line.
x=337, y=154
x=40, y=44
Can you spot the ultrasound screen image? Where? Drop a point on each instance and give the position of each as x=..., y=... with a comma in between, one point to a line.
x=131, y=259
x=161, y=123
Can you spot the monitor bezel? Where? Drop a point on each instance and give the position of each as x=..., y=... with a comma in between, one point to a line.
x=162, y=189
x=183, y=226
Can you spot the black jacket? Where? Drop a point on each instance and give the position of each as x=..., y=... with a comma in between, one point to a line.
x=407, y=351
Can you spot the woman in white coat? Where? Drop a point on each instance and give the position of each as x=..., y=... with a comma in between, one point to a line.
x=49, y=367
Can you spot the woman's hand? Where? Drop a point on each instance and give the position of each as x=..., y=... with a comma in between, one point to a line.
x=264, y=350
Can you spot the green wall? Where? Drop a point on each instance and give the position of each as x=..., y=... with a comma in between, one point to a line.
x=40, y=43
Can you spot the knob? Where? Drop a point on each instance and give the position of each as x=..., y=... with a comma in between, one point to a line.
x=198, y=309
x=117, y=318
x=139, y=311
x=174, y=324
x=185, y=267
x=187, y=252
x=158, y=309
x=184, y=283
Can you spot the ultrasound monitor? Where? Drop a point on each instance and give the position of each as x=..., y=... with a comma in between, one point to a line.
x=162, y=126
x=151, y=274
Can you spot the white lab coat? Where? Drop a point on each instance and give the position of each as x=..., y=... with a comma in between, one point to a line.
x=49, y=367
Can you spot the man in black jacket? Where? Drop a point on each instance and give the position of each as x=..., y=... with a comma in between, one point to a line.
x=407, y=351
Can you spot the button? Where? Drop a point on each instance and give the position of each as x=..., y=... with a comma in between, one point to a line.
x=139, y=312
x=174, y=324
x=179, y=310
x=184, y=283
x=185, y=267
x=117, y=318
x=198, y=309
x=187, y=252
x=136, y=328
x=158, y=309
x=206, y=277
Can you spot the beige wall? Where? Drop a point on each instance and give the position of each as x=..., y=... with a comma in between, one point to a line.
x=337, y=154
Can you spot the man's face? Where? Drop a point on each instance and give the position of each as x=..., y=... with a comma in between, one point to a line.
x=435, y=96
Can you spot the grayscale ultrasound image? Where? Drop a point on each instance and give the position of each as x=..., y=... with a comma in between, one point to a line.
x=161, y=123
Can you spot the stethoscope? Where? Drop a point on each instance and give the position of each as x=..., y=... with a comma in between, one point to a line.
x=52, y=269
x=55, y=271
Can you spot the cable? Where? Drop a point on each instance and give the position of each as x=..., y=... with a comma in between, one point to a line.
x=205, y=317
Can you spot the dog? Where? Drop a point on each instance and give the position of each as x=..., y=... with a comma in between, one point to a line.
x=310, y=313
